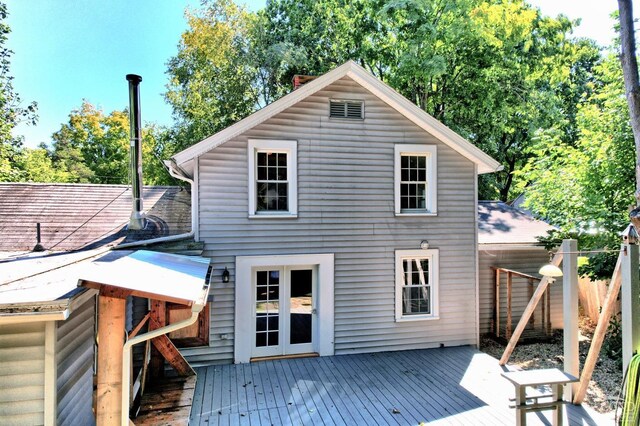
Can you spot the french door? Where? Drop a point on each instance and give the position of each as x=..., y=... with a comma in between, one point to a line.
x=284, y=310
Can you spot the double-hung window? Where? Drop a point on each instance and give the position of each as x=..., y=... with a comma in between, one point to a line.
x=416, y=284
x=272, y=178
x=415, y=179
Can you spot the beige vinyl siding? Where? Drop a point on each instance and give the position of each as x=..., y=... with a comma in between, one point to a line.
x=525, y=261
x=22, y=374
x=75, y=356
x=345, y=207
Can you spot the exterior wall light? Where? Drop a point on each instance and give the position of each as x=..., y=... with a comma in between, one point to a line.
x=424, y=244
x=225, y=275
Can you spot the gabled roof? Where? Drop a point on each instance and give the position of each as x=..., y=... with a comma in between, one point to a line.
x=485, y=163
x=501, y=224
x=81, y=216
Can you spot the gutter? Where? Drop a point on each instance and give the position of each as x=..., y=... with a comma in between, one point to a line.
x=171, y=167
x=126, y=351
x=35, y=312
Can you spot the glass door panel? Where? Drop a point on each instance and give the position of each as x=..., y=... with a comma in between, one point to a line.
x=301, y=306
x=267, y=308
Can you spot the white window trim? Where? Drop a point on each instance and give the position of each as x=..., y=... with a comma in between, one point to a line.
x=432, y=178
x=244, y=320
x=434, y=279
x=288, y=147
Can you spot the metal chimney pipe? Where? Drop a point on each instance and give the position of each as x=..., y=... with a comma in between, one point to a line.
x=136, y=221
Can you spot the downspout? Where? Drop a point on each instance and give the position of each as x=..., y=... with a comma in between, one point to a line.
x=126, y=353
x=176, y=174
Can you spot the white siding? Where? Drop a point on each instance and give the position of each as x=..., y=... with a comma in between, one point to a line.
x=345, y=207
x=22, y=374
x=525, y=261
x=75, y=355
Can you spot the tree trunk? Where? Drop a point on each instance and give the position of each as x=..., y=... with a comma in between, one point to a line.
x=630, y=73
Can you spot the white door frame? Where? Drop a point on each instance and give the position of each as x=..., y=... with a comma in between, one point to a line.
x=244, y=306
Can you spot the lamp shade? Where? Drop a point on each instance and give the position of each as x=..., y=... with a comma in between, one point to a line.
x=550, y=270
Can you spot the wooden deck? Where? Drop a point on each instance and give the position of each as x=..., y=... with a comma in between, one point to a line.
x=452, y=386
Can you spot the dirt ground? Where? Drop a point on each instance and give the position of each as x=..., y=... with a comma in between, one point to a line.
x=606, y=381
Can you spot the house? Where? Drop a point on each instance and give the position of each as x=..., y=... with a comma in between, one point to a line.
x=346, y=219
x=47, y=323
x=508, y=239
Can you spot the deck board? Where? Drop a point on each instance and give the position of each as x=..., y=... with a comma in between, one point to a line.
x=447, y=386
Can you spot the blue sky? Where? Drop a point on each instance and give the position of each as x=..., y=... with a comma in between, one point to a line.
x=69, y=50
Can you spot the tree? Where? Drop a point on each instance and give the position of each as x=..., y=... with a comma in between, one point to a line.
x=38, y=166
x=211, y=78
x=93, y=147
x=630, y=73
x=11, y=111
x=494, y=71
x=585, y=187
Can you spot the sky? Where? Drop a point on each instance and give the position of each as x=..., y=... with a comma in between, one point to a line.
x=69, y=50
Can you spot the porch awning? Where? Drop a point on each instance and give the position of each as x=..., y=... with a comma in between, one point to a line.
x=160, y=276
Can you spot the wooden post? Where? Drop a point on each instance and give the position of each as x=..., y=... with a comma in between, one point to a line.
x=532, y=321
x=537, y=295
x=570, y=312
x=509, y=306
x=544, y=311
x=497, y=302
x=111, y=330
x=548, y=317
x=630, y=301
x=600, y=331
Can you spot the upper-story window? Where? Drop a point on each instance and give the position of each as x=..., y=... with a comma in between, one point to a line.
x=350, y=109
x=415, y=179
x=273, y=178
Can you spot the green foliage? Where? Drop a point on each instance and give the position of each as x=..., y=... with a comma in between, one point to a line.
x=11, y=111
x=586, y=186
x=211, y=79
x=494, y=71
x=94, y=148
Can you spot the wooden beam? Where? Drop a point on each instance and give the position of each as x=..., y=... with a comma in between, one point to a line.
x=537, y=295
x=169, y=351
x=570, y=298
x=517, y=274
x=600, y=331
x=114, y=292
x=138, y=327
x=530, y=284
x=630, y=304
x=111, y=332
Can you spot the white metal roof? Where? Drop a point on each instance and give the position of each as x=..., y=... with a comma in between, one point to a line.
x=155, y=275
x=485, y=163
x=47, y=284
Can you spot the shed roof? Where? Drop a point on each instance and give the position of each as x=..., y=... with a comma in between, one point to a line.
x=350, y=69
x=82, y=216
x=501, y=224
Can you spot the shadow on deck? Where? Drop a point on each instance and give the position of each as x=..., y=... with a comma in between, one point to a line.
x=458, y=386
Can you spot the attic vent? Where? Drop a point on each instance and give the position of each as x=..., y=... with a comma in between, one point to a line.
x=353, y=110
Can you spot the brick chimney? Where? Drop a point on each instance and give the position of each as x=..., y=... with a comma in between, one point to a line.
x=300, y=80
